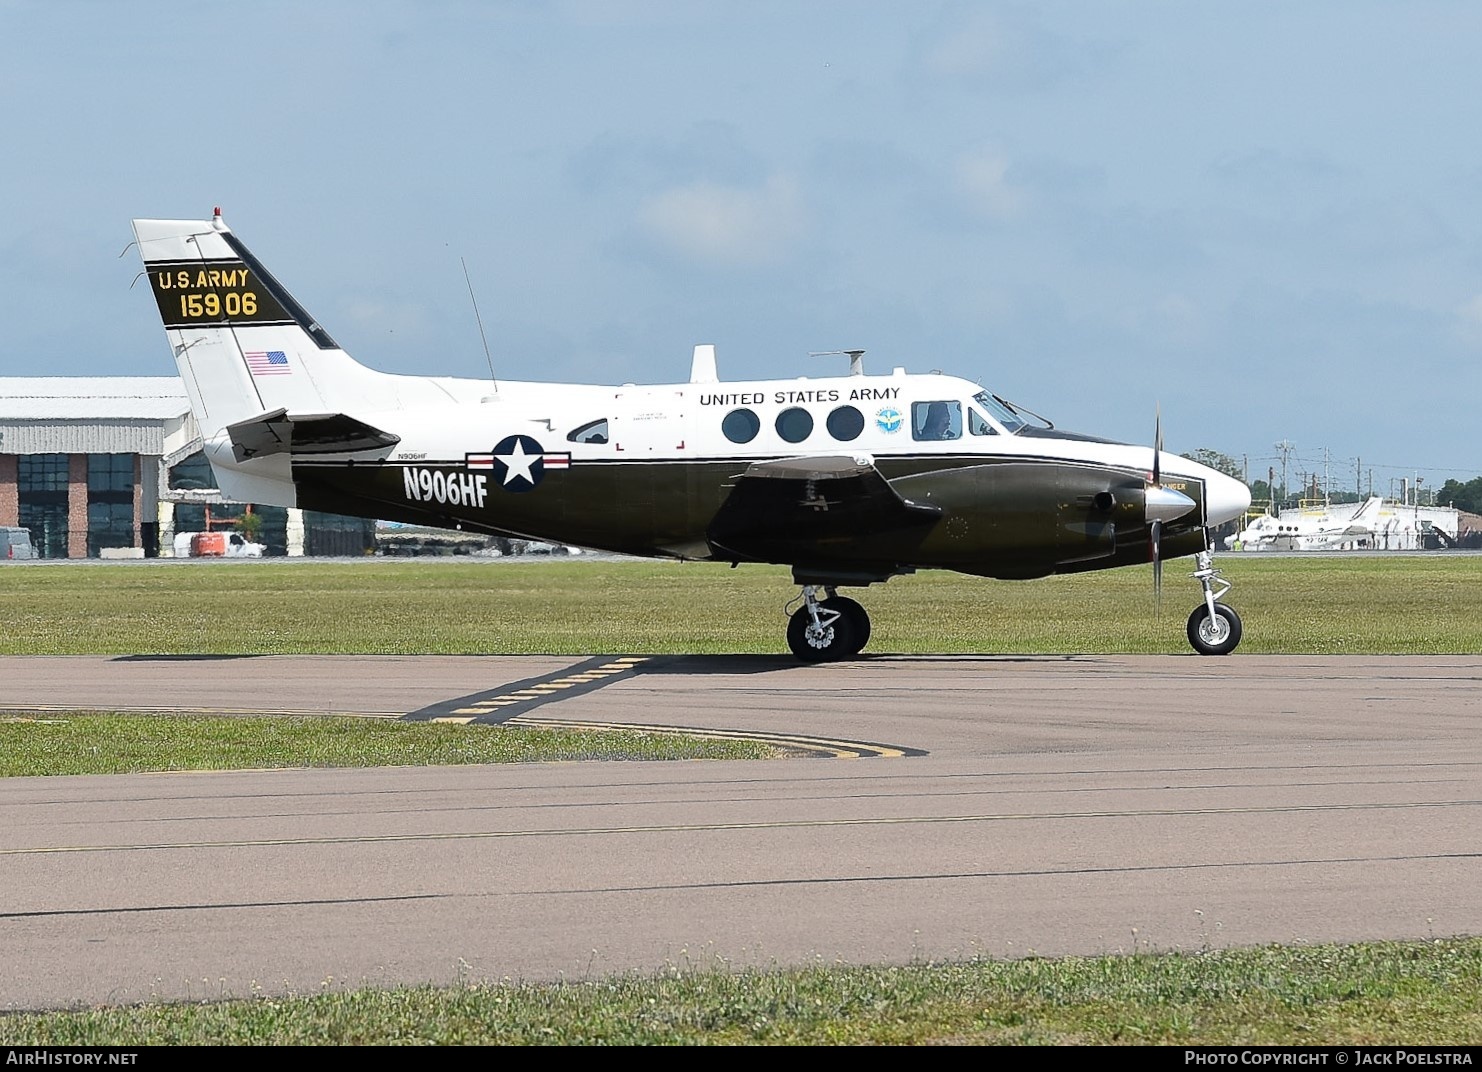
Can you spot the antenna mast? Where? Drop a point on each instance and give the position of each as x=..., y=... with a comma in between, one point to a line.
x=856, y=365
x=490, y=357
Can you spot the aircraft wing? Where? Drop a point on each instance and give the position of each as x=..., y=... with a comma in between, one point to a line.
x=824, y=509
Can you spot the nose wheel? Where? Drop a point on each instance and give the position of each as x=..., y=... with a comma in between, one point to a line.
x=1214, y=628
x=822, y=630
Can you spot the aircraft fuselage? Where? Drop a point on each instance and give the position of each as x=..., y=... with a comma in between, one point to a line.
x=649, y=470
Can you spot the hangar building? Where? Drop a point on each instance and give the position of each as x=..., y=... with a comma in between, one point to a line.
x=111, y=466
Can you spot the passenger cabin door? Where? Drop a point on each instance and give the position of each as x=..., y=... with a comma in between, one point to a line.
x=651, y=423
x=663, y=493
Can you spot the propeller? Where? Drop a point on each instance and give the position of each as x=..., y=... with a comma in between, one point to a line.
x=1161, y=504
x=1157, y=528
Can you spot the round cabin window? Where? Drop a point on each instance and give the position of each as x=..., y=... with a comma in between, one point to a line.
x=741, y=426
x=794, y=425
x=845, y=423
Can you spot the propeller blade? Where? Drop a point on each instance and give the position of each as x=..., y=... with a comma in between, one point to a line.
x=1156, y=502
x=1157, y=548
x=1157, y=443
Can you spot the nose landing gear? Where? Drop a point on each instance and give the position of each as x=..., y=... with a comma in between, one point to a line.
x=1214, y=628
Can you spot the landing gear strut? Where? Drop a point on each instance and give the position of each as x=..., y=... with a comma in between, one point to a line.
x=1214, y=629
x=834, y=627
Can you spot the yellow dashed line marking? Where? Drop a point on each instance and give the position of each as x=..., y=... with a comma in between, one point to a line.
x=546, y=689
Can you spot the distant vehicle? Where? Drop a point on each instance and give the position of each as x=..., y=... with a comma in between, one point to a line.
x=16, y=543
x=216, y=545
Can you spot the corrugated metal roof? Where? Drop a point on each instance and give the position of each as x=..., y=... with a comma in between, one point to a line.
x=100, y=398
x=138, y=435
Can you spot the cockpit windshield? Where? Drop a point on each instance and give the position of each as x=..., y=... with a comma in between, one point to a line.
x=1000, y=412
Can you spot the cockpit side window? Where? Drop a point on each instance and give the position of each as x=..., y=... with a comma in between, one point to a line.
x=977, y=424
x=936, y=420
x=591, y=432
x=1001, y=413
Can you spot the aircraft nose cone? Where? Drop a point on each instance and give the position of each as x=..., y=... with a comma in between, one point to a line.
x=1225, y=498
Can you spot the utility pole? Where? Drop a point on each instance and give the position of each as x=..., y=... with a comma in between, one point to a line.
x=1286, y=446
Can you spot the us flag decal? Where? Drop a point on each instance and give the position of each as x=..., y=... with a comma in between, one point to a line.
x=267, y=362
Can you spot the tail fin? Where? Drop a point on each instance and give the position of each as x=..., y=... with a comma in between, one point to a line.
x=1366, y=518
x=243, y=344
x=249, y=352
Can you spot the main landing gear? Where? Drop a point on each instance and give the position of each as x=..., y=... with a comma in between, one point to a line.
x=821, y=630
x=1214, y=629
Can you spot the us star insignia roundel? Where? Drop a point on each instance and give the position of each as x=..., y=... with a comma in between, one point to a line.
x=519, y=462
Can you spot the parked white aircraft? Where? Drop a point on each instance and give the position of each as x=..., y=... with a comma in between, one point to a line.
x=1320, y=528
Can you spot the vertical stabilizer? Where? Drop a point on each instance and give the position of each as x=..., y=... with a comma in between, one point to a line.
x=246, y=348
x=702, y=365
x=242, y=344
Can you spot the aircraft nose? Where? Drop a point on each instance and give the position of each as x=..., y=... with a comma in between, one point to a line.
x=1225, y=498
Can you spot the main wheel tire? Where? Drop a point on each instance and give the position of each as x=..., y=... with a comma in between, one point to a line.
x=1214, y=636
x=859, y=619
x=834, y=643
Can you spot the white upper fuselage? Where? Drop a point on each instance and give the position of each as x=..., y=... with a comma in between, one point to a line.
x=881, y=416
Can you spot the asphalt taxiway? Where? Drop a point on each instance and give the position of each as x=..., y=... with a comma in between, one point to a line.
x=937, y=807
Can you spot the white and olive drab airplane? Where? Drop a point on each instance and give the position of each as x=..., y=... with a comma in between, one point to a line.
x=849, y=480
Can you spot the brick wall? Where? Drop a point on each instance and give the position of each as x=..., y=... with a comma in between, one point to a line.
x=77, y=506
x=10, y=500
x=138, y=500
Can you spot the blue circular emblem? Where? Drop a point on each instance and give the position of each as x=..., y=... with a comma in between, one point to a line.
x=519, y=463
x=889, y=419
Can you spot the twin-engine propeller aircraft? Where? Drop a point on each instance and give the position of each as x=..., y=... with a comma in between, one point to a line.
x=850, y=480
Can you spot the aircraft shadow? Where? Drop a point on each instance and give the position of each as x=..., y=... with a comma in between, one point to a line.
x=182, y=658
x=766, y=664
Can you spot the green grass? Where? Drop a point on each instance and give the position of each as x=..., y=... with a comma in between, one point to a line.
x=86, y=743
x=1385, y=993
x=1358, y=605
x=1377, y=993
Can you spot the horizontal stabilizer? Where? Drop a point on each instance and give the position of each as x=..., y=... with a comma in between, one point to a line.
x=310, y=434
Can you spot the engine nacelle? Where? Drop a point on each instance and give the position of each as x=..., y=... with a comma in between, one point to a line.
x=1018, y=519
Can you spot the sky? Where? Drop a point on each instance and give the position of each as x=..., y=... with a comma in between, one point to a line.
x=1255, y=223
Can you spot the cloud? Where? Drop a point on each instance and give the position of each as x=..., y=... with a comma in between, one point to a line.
x=704, y=151
x=983, y=180
x=726, y=225
x=1009, y=49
